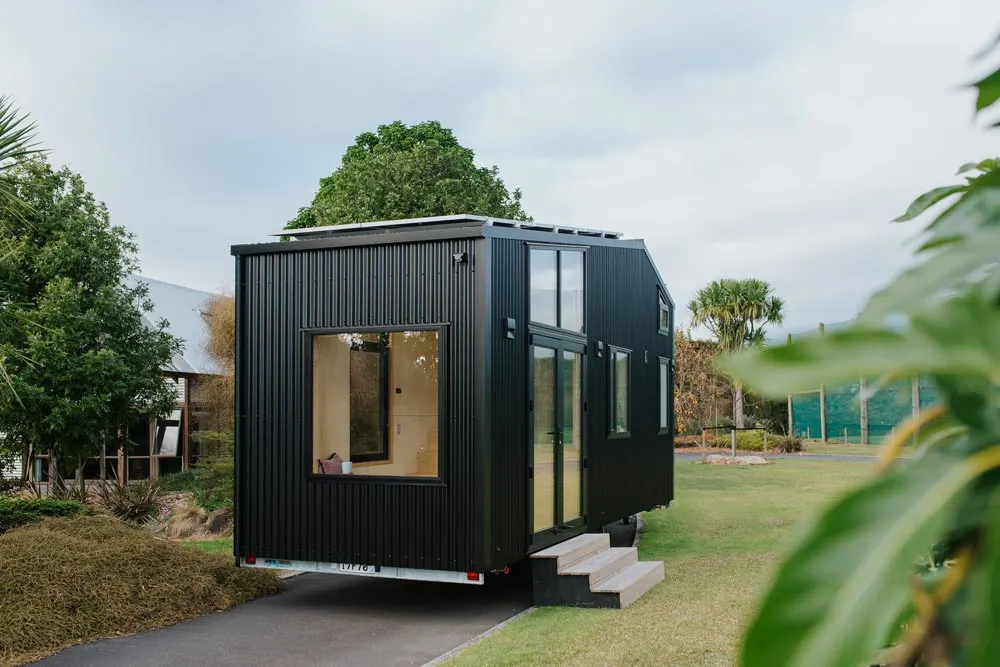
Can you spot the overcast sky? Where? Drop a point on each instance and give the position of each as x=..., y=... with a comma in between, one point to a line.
x=766, y=138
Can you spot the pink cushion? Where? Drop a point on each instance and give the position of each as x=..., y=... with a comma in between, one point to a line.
x=331, y=466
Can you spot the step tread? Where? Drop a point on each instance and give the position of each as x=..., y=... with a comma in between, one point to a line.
x=576, y=547
x=601, y=559
x=621, y=581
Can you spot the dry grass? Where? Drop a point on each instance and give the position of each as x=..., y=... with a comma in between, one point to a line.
x=68, y=581
x=720, y=543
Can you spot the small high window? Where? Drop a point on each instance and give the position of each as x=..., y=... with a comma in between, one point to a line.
x=557, y=287
x=375, y=403
x=664, y=315
x=619, y=391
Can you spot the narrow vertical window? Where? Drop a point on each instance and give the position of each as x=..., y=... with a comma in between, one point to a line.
x=619, y=391
x=664, y=395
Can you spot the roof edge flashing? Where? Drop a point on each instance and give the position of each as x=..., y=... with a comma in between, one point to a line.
x=443, y=220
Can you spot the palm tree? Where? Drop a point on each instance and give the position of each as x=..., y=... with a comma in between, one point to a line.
x=736, y=311
x=17, y=144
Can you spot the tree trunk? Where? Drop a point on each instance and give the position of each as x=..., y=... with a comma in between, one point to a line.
x=738, y=404
x=79, y=475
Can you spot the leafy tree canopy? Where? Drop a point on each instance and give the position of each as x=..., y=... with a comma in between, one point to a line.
x=402, y=171
x=81, y=360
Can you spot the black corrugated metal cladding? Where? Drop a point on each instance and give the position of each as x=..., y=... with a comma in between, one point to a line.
x=401, y=523
x=625, y=475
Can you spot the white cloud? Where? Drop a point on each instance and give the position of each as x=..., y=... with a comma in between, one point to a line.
x=773, y=139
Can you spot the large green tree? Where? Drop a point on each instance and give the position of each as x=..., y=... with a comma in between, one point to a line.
x=402, y=171
x=80, y=358
x=736, y=312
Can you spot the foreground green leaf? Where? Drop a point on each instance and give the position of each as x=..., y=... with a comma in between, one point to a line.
x=989, y=90
x=949, y=270
x=928, y=199
x=839, y=592
x=954, y=337
x=985, y=585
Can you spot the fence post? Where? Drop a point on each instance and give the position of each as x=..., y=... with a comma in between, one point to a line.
x=734, y=442
x=863, y=386
x=822, y=399
x=845, y=435
x=791, y=418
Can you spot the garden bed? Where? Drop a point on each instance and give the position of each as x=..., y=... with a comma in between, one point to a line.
x=66, y=581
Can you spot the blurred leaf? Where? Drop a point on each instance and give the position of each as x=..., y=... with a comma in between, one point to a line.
x=839, y=592
x=989, y=90
x=949, y=270
x=983, y=588
x=928, y=199
x=954, y=337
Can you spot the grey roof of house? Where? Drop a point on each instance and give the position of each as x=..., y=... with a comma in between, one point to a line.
x=182, y=307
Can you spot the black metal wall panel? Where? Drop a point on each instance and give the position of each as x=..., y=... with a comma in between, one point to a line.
x=507, y=370
x=281, y=511
x=625, y=475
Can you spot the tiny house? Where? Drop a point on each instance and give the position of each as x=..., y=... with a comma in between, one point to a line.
x=441, y=398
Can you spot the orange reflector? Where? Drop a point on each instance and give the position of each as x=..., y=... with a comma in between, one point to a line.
x=473, y=576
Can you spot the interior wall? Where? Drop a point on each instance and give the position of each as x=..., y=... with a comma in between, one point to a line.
x=331, y=399
x=413, y=411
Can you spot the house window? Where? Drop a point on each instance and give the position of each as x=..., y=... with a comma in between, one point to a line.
x=375, y=403
x=619, y=392
x=663, y=322
x=168, y=435
x=664, y=370
x=557, y=287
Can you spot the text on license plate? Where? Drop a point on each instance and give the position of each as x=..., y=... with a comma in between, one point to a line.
x=350, y=567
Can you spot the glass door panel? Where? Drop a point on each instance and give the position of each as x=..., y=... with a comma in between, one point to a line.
x=544, y=432
x=571, y=443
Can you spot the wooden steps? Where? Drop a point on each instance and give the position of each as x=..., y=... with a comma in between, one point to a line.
x=586, y=571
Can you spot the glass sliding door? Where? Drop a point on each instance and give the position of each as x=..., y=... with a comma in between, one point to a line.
x=557, y=438
x=544, y=440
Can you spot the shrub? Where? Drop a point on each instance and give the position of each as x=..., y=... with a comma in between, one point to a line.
x=178, y=482
x=67, y=581
x=214, y=483
x=15, y=512
x=9, y=487
x=135, y=501
x=747, y=441
x=787, y=444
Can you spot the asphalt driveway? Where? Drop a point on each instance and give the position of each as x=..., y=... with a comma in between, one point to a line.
x=322, y=619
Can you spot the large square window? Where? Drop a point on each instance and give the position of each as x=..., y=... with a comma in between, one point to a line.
x=557, y=287
x=375, y=403
x=619, y=391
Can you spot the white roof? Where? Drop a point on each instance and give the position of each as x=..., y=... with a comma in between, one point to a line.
x=183, y=308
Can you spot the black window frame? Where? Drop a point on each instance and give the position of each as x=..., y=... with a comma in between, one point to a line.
x=663, y=307
x=307, y=336
x=558, y=250
x=613, y=350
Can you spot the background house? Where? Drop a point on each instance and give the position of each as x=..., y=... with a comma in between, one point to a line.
x=162, y=446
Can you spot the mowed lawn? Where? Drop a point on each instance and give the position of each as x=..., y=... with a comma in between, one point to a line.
x=720, y=541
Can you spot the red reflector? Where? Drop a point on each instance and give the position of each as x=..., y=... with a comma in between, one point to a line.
x=251, y=560
x=473, y=576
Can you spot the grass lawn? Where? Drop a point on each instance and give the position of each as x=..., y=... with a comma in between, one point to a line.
x=719, y=541
x=222, y=545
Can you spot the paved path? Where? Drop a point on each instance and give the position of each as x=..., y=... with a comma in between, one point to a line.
x=322, y=619
x=692, y=456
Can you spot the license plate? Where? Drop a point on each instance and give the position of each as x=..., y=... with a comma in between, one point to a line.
x=361, y=569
